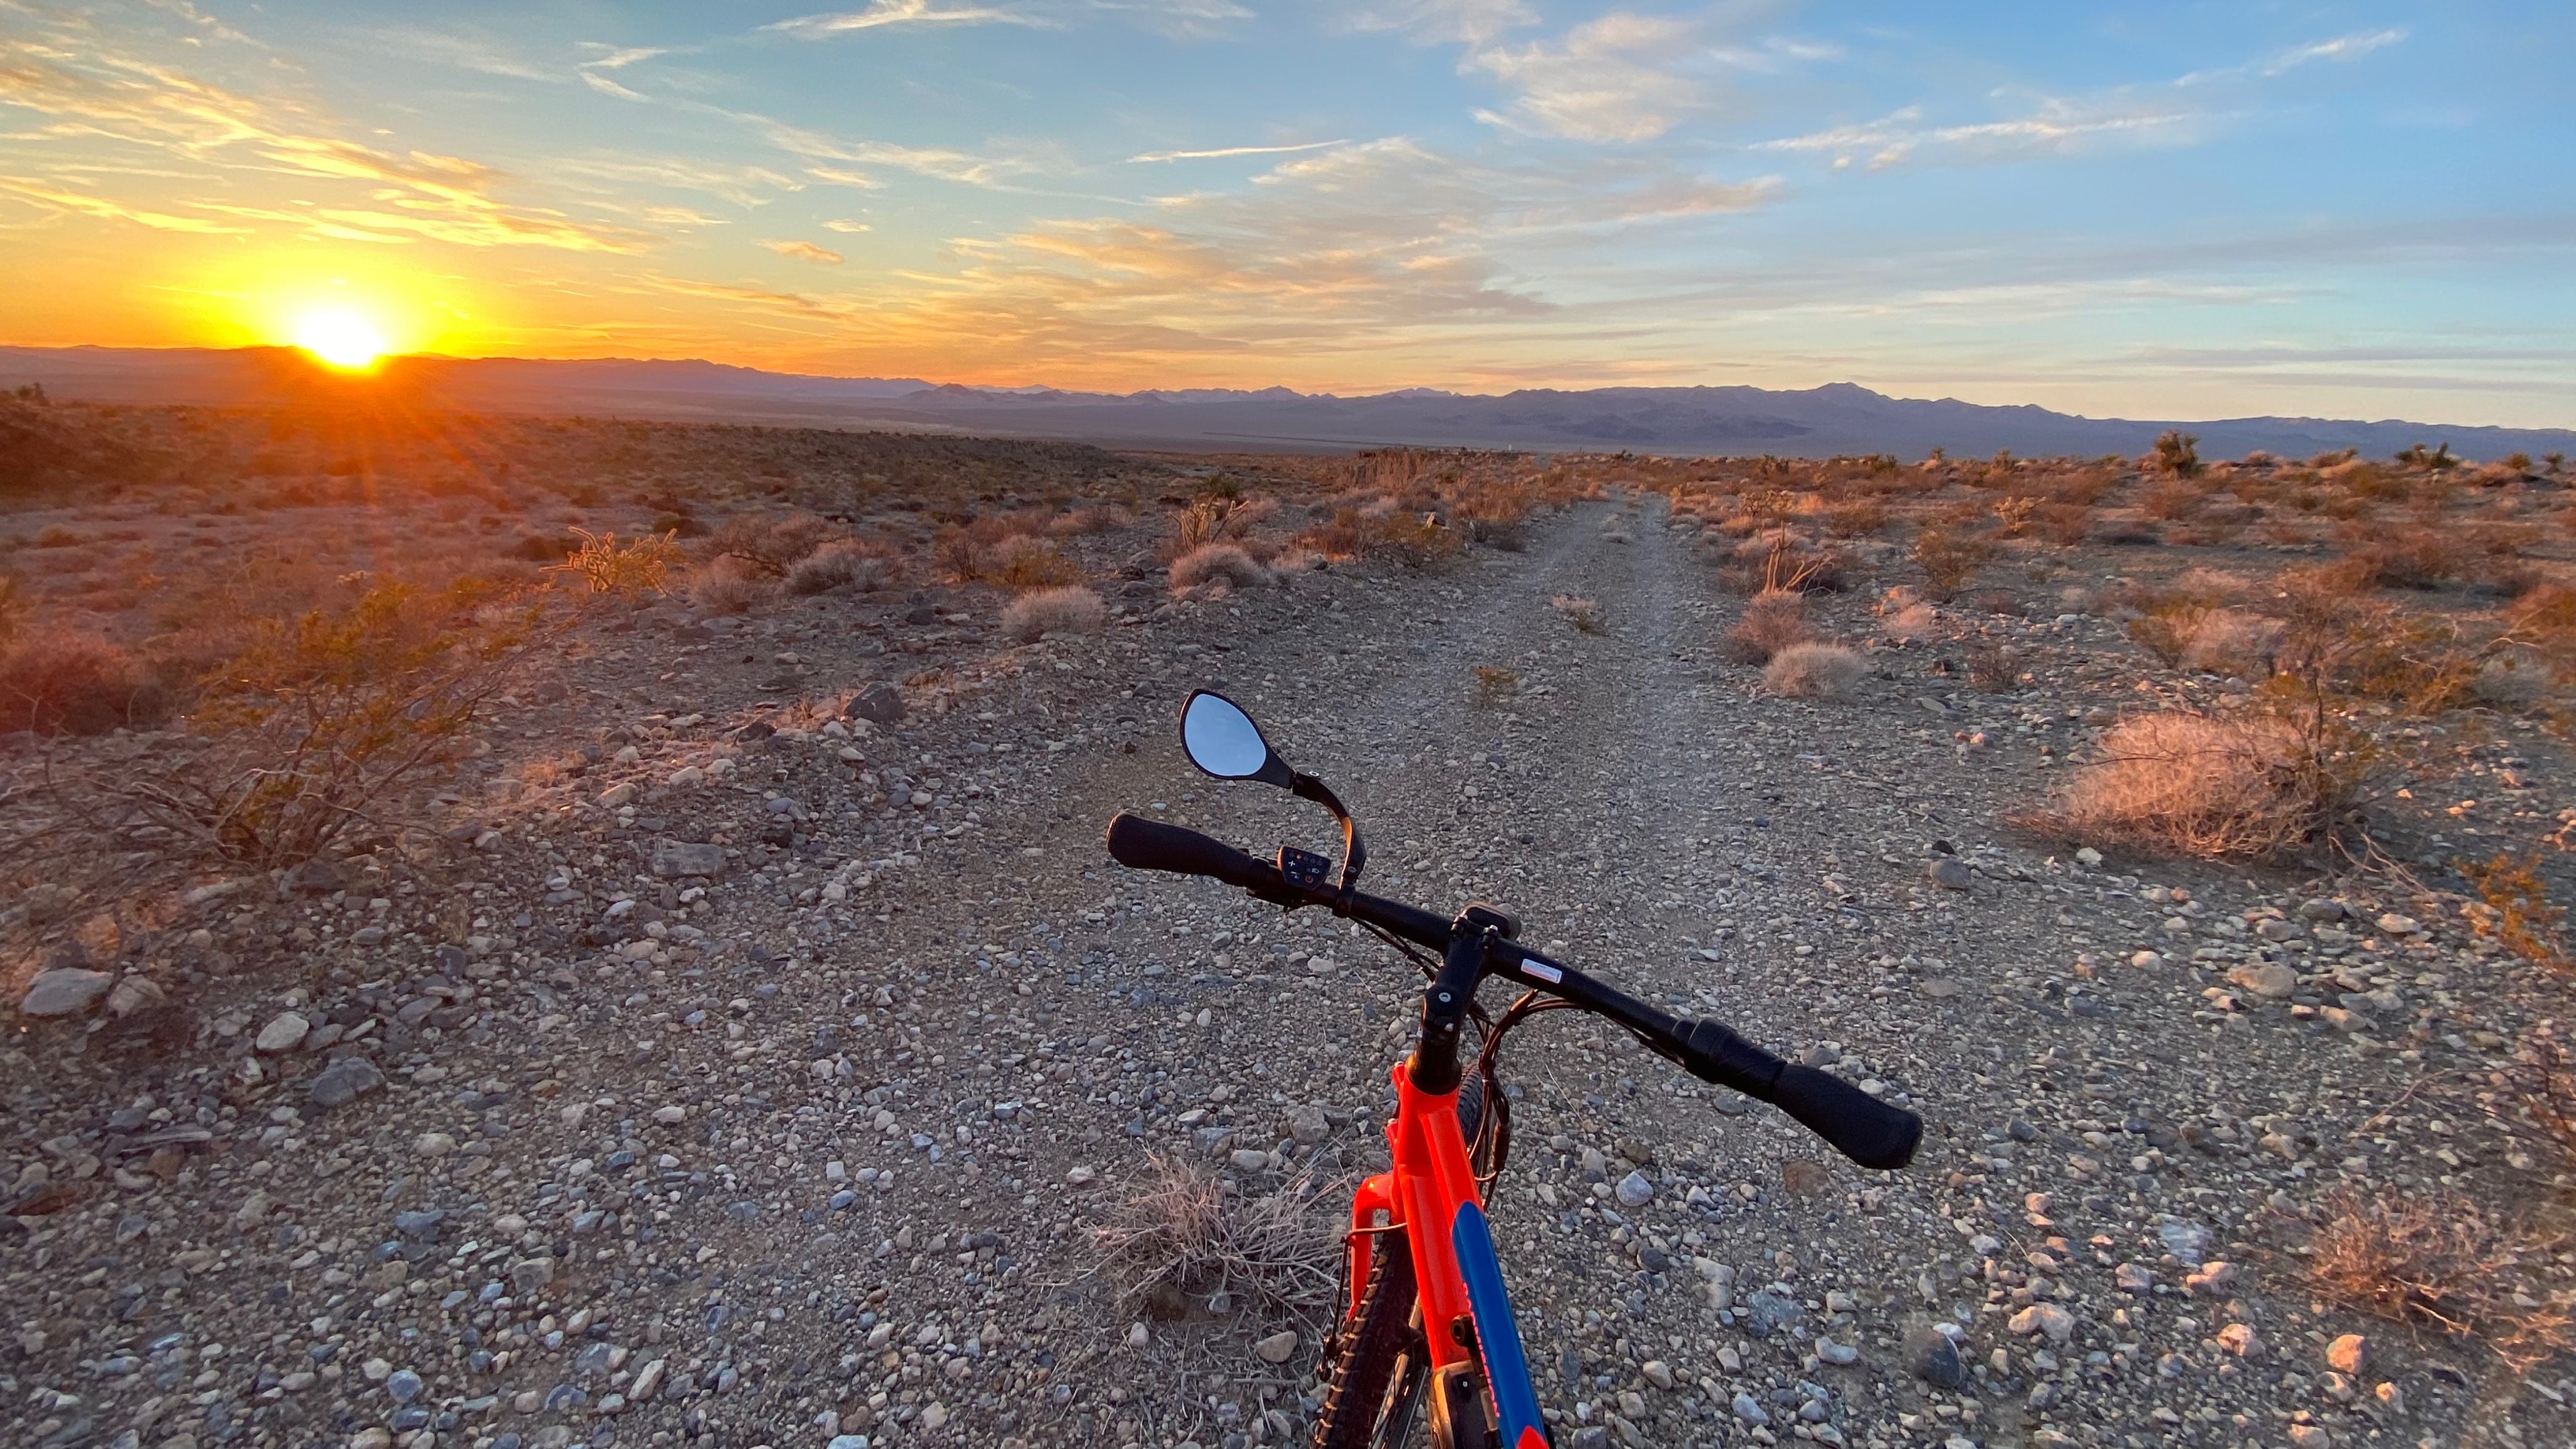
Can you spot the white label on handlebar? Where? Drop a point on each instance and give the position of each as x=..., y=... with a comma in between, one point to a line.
x=1543, y=971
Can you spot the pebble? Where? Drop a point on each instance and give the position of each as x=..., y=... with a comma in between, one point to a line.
x=2397, y=925
x=2046, y=1319
x=2349, y=1354
x=2267, y=979
x=1278, y=1347
x=1931, y=1356
x=1750, y=1411
x=1138, y=1335
x=1836, y=1353
x=403, y=1386
x=344, y=1081
x=64, y=991
x=1950, y=873
x=1634, y=1191
x=2241, y=1340
x=284, y=1033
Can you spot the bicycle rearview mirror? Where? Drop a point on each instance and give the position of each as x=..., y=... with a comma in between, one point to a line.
x=1223, y=741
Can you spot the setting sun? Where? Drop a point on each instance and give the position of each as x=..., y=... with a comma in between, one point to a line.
x=340, y=338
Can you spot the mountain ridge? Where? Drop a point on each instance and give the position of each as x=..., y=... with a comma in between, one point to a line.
x=1832, y=418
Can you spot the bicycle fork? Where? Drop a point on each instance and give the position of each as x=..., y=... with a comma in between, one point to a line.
x=1479, y=1373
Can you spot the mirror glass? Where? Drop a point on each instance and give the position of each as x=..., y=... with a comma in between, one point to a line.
x=1222, y=739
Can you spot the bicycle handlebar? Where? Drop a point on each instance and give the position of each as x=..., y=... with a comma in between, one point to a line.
x=1861, y=1127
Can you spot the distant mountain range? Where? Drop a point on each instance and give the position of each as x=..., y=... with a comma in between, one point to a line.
x=1815, y=422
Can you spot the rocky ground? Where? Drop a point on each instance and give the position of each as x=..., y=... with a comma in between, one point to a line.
x=762, y=1075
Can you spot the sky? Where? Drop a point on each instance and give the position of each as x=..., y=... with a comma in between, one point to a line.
x=2160, y=210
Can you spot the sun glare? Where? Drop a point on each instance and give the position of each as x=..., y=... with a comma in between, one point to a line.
x=340, y=338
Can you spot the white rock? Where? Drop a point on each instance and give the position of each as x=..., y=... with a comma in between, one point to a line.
x=284, y=1033
x=1278, y=1347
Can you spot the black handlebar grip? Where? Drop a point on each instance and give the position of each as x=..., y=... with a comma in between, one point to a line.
x=1857, y=1125
x=1143, y=844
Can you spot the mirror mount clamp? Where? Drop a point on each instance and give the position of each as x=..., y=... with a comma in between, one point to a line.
x=1354, y=850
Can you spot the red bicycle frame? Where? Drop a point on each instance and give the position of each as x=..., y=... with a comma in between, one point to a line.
x=1430, y=1195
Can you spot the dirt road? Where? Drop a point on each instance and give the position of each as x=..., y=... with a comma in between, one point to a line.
x=824, y=1154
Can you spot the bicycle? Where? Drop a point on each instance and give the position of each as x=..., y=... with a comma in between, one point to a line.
x=1426, y=1318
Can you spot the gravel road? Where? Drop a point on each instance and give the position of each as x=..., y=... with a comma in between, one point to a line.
x=812, y=1149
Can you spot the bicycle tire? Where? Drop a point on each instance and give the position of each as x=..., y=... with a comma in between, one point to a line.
x=1374, y=1393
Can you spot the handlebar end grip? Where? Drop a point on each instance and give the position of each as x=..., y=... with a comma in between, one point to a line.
x=1142, y=844
x=1859, y=1126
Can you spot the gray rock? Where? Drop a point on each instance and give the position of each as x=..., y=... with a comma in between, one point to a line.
x=284, y=1033
x=1766, y=1313
x=1750, y=1410
x=1278, y=1347
x=2323, y=910
x=420, y=1226
x=1634, y=1191
x=1308, y=1125
x=403, y=1386
x=2267, y=979
x=344, y=1081
x=879, y=703
x=1950, y=873
x=673, y=858
x=1836, y=1353
x=1933, y=1358
x=65, y=991
x=316, y=878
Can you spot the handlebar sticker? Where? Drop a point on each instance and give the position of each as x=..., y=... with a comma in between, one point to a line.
x=1543, y=971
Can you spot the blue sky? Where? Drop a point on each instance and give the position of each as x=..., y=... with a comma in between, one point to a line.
x=2167, y=210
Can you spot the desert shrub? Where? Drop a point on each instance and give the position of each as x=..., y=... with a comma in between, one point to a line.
x=1190, y=1233
x=1025, y=561
x=1814, y=671
x=2513, y=909
x=2250, y=785
x=1065, y=609
x=770, y=546
x=1583, y=614
x=2413, y=558
x=320, y=727
x=1495, y=683
x=1950, y=561
x=2443, y=1262
x=606, y=566
x=1775, y=620
x=1413, y=540
x=2177, y=454
x=1779, y=560
x=2013, y=514
x=2171, y=501
x=2233, y=641
x=1911, y=619
x=1855, y=517
x=728, y=586
x=2544, y=620
x=1097, y=518
x=1211, y=562
x=845, y=563
x=57, y=683
x=1992, y=667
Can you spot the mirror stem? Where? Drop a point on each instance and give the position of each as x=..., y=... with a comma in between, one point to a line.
x=1354, y=852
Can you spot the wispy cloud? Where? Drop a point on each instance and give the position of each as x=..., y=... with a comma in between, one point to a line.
x=1346, y=251
x=2184, y=110
x=59, y=200
x=843, y=224
x=801, y=251
x=101, y=95
x=2057, y=127
x=1223, y=151
x=1600, y=82
x=933, y=161
x=882, y=13
x=1443, y=22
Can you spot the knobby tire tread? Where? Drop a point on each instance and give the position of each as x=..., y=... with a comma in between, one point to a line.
x=1362, y=1386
